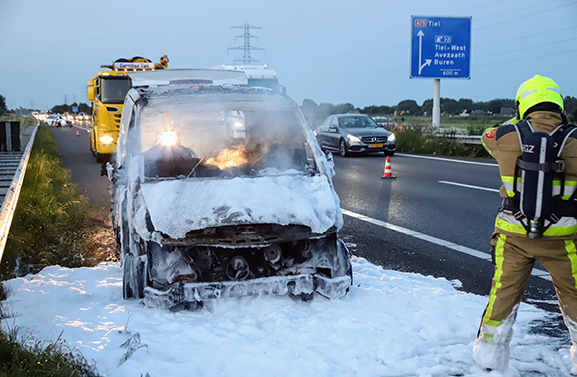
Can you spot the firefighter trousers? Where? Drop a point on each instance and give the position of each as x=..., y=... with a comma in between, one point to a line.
x=514, y=257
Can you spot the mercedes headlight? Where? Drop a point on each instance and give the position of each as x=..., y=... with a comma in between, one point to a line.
x=391, y=137
x=353, y=138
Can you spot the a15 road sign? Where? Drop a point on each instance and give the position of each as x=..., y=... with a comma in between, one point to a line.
x=440, y=47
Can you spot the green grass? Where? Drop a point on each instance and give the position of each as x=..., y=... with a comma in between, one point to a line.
x=47, y=226
x=28, y=358
x=47, y=229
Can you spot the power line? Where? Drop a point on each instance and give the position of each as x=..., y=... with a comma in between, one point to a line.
x=525, y=16
x=528, y=48
x=524, y=8
x=463, y=12
x=525, y=58
x=480, y=6
x=396, y=71
x=393, y=47
x=357, y=37
x=525, y=37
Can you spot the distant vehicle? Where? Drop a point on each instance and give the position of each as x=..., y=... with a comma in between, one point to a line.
x=83, y=117
x=222, y=191
x=387, y=123
x=257, y=75
x=58, y=121
x=50, y=118
x=354, y=133
x=106, y=90
x=61, y=121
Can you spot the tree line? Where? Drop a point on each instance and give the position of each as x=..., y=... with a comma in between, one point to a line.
x=59, y=109
x=315, y=114
x=3, y=108
x=82, y=108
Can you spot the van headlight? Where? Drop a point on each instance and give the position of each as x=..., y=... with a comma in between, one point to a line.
x=353, y=138
x=391, y=137
x=168, y=138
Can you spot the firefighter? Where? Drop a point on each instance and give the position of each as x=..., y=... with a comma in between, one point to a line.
x=514, y=247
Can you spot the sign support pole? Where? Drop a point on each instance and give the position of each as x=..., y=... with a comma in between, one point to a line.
x=437, y=103
x=440, y=49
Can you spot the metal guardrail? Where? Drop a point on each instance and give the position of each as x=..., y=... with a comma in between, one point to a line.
x=13, y=191
x=465, y=139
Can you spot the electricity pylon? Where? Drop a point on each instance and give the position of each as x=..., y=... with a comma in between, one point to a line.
x=246, y=58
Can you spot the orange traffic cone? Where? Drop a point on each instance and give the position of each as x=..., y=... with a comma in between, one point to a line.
x=388, y=172
x=77, y=133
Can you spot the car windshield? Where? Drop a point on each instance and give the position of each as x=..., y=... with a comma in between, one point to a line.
x=114, y=90
x=357, y=122
x=232, y=137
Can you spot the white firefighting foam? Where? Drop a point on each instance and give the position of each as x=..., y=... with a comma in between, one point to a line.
x=283, y=200
x=390, y=324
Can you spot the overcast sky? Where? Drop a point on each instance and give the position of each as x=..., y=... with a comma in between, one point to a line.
x=329, y=51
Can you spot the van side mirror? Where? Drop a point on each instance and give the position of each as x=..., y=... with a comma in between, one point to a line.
x=109, y=170
x=333, y=129
x=330, y=159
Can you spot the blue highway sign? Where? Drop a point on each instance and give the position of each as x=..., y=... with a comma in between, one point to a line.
x=440, y=47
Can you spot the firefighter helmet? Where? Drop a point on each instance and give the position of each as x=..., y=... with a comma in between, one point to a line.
x=537, y=89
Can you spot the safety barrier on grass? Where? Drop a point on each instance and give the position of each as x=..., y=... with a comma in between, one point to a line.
x=12, y=164
x=465, y=139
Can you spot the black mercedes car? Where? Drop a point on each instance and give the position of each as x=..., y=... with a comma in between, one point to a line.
x=354, y=133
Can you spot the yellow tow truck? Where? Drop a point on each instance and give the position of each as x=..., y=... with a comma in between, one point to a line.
x=107, y=90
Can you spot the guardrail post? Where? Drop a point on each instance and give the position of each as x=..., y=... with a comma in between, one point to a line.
x=9, y=136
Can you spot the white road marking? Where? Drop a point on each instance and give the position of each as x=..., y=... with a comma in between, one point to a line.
x=469, y=186
x=437, y=241
x=448, y=160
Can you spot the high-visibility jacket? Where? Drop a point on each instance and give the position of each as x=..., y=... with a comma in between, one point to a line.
x=503, y=143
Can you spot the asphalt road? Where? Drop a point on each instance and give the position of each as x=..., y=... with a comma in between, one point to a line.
x=75, y=152
x=418, y=201
x=423, y=198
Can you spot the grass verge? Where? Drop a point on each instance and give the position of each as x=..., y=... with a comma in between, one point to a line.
x=19, y=358
x=47, y=229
